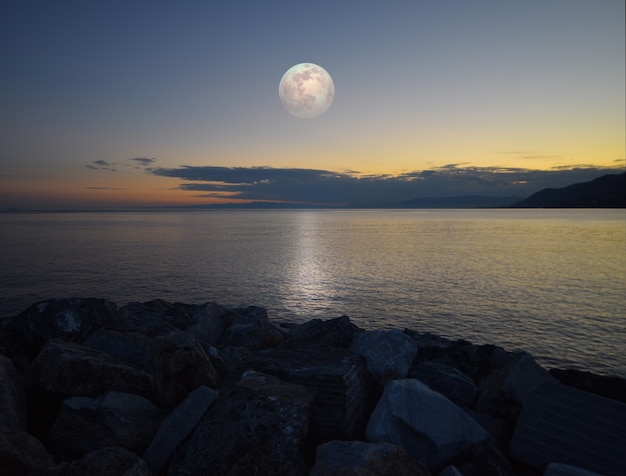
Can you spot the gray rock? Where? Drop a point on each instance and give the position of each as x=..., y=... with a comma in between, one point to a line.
x=68, y=319
x=23, y=454
x=129, y=347
x=450, y=471
x=177, y=426
x=70, y=369
x=149, y=318
x=560, y=469
x=388, y=353
x=116, y=419
x=267, y=426
x=426, y=424
x=447, y=380
x=358, y=458
x=336, y=332
x=209, y=322
x=565, y=425
x=12, y=408
x=503, y=392
x=111, y=461
x=179, y=365
x=252, y=329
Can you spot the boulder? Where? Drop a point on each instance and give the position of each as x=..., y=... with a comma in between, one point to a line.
x=388, y=354
x=116, y=419
x=447, y=380
x=605, y=386
x=209, y=322
x=177, y=426
x=431, y=428
x=251, y=329
x=111, y=461
x=338, y=379
x=267, y=422
x=179, y=365
x=503, y=392
x=358, y=458
x=23, y=454
x=12, y=408
x=152, y=318
x=336, y=332
x=129, y=347
x=566, y=425
x=70, y=369
x=68, y=319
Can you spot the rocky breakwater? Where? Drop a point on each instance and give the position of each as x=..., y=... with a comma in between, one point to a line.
x=159, y=388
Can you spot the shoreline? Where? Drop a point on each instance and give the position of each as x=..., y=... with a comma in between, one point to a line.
x=89, y=385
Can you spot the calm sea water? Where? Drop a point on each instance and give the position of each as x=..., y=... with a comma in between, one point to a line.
x=552, y=282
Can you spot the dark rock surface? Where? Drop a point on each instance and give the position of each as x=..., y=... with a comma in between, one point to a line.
x=87, y=387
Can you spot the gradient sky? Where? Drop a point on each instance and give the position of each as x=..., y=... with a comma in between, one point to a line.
x=149, y=103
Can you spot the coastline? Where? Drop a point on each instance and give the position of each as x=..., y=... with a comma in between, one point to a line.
x=222, y=378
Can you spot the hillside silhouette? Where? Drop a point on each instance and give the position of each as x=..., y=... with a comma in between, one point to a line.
x=608, y=191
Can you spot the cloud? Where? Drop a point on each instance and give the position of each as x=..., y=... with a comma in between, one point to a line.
x=143, y=162
x=140, y=163
x=101, y=165
x=325, y=187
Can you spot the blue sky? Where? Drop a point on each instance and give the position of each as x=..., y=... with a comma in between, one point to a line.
x=522, y=94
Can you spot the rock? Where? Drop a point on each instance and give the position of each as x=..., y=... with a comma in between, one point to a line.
x=179, y=365
x=605, y=386
x=69, y=369
x=251, y=329
x=430, y=346
x=266, y=430
x=450, y=471
x=129, y=347
x=112, y=461
x=336, y=332
x=209, y=322
x=447, y=380
x=431, y=428
x=503, y=392
x=12, y=408
x=177, y=426
x=565, y=425
x=560, y=469
x=357, y=458
x=337, y=378
x=388, y=353
x=68, y=319
x=152, y=318
x=22, y=454
x=499, y=430
x=116, y=419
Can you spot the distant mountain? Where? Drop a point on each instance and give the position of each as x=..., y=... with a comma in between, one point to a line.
x=464, y=201
x=608, y=191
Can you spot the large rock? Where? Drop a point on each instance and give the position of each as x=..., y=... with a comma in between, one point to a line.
x=358, y=458
x=336, y=332
x=251, y=329
x=560, y=469
x=267, y=422
x=337, y=378
x=12, y=409
x=179, y=365
x=565, y=425
x=152, y=318
x=111, y=461
x=426, y=424
x=177, y=426
x=22, y=454
x=209, y=322
x=116, y=419
x=447, y=380
x=68, y=319
x=69, y=369
x=603, y=385
x=129, y=347
x=388, y=353
x=503, y=392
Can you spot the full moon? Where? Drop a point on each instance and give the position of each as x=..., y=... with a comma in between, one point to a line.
x=306, y=90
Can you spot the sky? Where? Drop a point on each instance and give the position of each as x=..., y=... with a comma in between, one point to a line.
x=150, y=103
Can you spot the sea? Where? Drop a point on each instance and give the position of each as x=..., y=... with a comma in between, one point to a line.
x=548, y=281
